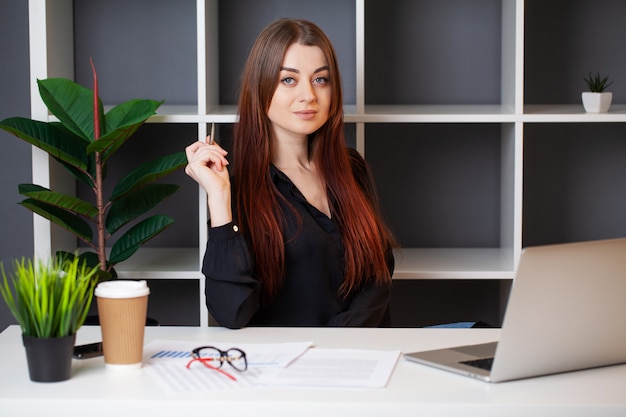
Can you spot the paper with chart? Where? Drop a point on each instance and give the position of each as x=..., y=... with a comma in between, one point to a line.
x=273, y=364
x=166, y=360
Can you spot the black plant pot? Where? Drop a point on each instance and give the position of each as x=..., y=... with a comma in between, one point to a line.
x=49, y=359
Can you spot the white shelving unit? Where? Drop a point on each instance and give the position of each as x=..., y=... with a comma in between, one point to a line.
x=52, y=55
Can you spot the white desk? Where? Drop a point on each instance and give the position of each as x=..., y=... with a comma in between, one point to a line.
x=413, y=390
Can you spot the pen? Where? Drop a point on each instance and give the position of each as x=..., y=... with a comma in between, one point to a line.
x=212, y=133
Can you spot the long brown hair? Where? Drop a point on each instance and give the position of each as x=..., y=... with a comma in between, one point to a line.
x=366, y=239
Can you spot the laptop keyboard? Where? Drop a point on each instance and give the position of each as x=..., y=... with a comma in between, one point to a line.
x=483, y=363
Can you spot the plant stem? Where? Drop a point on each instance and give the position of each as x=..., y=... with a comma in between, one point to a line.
x=98, y=184
x=100, y=222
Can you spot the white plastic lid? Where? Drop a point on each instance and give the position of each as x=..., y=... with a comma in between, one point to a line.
x=122, y=289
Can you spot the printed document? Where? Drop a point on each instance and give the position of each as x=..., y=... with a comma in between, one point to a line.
x=271, y=364
x=348, y=368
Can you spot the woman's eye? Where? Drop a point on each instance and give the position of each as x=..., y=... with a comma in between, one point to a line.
x=288, y=81
x=321, y=80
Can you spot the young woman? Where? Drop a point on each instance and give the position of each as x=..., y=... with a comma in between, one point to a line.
x=296, y=237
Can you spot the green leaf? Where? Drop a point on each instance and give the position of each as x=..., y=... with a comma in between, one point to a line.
x=50, y=137
x=121, y=122
x=9, y=298
x=136, y=236
x=108, y=144
x=149, y=172
x=60, y=217
x=73, y=204
x=90, y=259
x=133, y=205
x=596, y=83
x=80, y=175
x=130, y=113
x=72, y=104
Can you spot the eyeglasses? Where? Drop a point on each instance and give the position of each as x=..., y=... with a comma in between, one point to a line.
x=235, y=357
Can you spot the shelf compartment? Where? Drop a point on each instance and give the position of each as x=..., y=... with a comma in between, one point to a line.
x=564, y=41
x=129, y=48
x=454, y=193
x=574, y=181
x=444, y=188
x=457, y=263
x=161, y=263
x=429, y=52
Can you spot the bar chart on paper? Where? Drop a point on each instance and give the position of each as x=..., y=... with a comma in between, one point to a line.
x=258, y=354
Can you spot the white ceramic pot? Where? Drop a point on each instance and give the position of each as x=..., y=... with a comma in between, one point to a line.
x=597, y=102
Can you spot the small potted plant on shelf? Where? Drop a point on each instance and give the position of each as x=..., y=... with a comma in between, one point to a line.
x=597, y=100
x=50, y=300
x=83, y=140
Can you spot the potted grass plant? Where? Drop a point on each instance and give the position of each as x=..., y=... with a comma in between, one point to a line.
x=597, y=100
x=83, y=139
x=50, y=300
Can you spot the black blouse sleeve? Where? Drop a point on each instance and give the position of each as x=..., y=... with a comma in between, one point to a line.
x=231, y=290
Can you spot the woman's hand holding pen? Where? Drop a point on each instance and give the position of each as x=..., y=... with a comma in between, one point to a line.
x=207, y=165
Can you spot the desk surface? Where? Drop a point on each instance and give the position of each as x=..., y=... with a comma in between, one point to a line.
x=413, y=389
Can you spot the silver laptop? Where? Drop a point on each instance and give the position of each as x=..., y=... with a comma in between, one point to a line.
x=566, y=312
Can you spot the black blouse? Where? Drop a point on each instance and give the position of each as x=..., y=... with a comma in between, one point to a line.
x=314, y=265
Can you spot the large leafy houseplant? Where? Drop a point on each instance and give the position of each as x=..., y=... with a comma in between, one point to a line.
x=83, y=140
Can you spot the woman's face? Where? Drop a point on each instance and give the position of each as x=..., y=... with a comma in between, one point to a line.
x=301, y=102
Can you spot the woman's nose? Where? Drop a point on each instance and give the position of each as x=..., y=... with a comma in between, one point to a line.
x=307, y=93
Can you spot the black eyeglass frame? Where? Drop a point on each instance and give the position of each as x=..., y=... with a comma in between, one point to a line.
x=225, y=356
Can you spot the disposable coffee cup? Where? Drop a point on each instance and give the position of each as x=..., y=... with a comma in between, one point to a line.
x=122, y=308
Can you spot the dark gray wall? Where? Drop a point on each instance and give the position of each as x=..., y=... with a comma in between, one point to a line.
x=567, y=39
x=137, y=48
x=16, y=226
x=432, y=52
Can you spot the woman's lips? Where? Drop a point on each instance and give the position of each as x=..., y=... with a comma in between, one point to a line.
x=306, y=114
